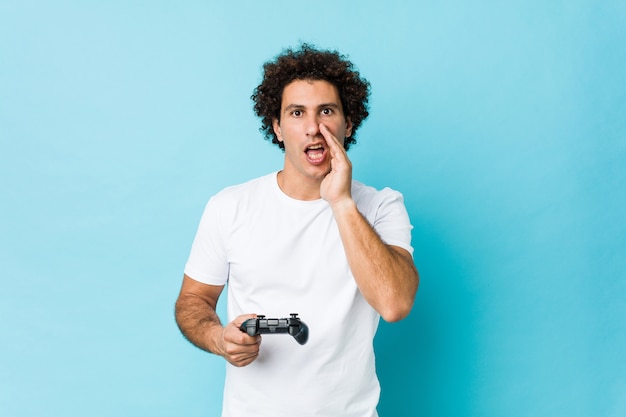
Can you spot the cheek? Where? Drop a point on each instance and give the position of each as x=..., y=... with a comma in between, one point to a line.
x=340, y=132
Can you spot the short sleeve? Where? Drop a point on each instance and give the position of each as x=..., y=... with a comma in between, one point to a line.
x=388, y=216
x=207, y=261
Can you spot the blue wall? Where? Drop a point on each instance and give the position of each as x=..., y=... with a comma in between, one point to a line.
x=503, y=124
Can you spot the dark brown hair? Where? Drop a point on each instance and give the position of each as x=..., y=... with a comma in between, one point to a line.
x=309, y=63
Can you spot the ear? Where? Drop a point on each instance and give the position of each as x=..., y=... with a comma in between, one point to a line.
x=348, y=127
x=277, y=130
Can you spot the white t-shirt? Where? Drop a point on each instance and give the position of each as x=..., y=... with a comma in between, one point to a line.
x=280, y=256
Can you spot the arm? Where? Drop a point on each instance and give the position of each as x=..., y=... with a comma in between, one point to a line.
x=199, y=323
x=385, y=274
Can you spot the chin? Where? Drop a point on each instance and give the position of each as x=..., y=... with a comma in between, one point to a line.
x=320, y=170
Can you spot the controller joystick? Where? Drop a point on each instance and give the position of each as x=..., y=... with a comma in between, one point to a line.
x=292, y=325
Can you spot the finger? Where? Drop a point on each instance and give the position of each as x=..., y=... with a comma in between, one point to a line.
x=234, y=350
x=237, y=322
x=240, y=319
x=331, y=140
x=240, y=361
x=247, y=340
x=242, y=358
x=337, y=151
x=234, y=335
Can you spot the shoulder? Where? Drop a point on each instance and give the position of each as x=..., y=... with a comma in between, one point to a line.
x=385, y=211
x=244, y=191
x=367, y=196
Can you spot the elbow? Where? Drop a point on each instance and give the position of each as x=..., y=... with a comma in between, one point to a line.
x=399, y=306
x=396, y=312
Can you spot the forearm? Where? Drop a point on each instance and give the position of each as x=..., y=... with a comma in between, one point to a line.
x=386, y=276
x=199, y=322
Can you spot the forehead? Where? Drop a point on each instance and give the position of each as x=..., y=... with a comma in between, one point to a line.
x=310, y=93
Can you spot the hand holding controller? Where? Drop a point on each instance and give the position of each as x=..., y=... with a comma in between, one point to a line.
x=262, y=325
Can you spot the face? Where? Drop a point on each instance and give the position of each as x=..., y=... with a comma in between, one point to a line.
x=305, y=105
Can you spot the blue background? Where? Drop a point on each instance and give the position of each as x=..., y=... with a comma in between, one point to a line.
x=503, y=123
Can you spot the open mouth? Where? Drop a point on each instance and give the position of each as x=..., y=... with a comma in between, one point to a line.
x=315, y=153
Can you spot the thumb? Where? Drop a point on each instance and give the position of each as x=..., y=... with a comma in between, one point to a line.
x=240, y=319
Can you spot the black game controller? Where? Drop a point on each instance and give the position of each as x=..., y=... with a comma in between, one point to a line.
x=293, y=325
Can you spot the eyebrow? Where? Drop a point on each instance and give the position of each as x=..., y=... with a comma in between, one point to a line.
x=321, y=106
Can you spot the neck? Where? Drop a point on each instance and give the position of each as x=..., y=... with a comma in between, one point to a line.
x=305, y=190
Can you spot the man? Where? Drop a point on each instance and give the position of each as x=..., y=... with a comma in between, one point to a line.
x=308, y=240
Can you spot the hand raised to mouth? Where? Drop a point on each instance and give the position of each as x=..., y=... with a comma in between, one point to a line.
x=337, y=185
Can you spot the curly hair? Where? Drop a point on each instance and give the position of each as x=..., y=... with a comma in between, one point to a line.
x=310, y=63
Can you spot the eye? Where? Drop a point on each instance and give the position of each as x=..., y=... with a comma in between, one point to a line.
x=327, y=111
x=297, y=113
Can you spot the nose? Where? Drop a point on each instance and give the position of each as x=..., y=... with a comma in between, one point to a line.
x=312, y=126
